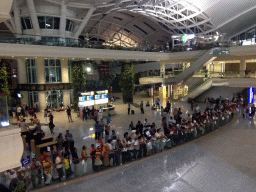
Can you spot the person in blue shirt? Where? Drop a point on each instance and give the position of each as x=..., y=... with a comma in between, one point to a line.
x=108, y=118
x=113, y=135
x=168, y=106
x=97, y=130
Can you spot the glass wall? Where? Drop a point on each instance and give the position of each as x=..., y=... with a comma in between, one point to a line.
x=54, y=98
x=26, y=23
x=32, y=98
x=245, y=38
x=4, y=119
x=52, y=71
x=31, y=71
x=70, y=25
x=49, y=22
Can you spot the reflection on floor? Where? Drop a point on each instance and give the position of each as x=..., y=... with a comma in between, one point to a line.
x=186, y=168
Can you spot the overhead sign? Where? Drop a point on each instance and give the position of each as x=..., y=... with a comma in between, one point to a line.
x=251, y=95
x=25, y=161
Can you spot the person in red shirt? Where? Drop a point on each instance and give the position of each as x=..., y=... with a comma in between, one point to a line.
x=44, y=155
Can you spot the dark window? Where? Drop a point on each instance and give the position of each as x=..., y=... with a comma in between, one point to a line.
x=49, y=22
x=28, y=23
x=149, y=26
x=41, y=21
x=56, y=23
x=118, y=18
x=140, y=29
x=67, y=24
x=23, y=24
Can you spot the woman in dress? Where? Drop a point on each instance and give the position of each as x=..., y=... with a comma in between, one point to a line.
x=106, y=151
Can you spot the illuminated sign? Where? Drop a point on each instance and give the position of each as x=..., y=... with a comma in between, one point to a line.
x=89, y=98
x=104, y=96
x=251, y=95
x=81, y=99
x=97, y=96
x=185, y=37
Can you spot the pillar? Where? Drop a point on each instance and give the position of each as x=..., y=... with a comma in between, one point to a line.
x=169, y=91
x=21, y=71
x=162, y=95
x=40, y=70
x=63, y=16
x=17, y=18
x=33, y=16
x=66, y=98
x=162, y=69
x=64, y=71
x=242, y=67
x=42, y=100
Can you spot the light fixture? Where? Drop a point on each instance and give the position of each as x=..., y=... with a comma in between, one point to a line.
x=35, y=57
x=88, y=69
x=26, y=58
x=73, y=58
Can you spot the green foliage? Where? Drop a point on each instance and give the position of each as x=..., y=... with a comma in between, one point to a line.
x=127, y=82
x=78, y=79
x=5, y=81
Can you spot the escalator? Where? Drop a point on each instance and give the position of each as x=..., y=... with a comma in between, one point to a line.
x=200, y=59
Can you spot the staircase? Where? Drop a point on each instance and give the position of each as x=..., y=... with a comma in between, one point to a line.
x=200, y=59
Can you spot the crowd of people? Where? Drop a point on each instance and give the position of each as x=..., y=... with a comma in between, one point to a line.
x=112, y=150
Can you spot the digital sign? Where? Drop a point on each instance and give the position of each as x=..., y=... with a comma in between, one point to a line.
x=81, y=99
x=97, y=96
x=89, y=98
x=104, y=96
x=251, y=95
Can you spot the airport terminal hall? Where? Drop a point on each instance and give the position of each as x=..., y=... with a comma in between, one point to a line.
x=127, y=95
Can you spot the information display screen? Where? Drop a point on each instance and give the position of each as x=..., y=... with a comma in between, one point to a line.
x=89, y=98
x=81, y=99
x=97, y=96
x=104, y=96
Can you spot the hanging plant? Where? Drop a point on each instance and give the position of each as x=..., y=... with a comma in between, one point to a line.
x=127, y=82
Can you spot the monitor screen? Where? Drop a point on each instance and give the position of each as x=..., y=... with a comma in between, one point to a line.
x=89, y=98
x=104, y=96
x=81, y=99
x=97, y=96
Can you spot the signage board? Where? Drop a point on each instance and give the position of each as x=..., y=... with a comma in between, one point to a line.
x=25, y=161
x=97, y=96
x=250, y=95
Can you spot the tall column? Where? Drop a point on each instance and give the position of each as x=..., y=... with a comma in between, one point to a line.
x=63, y=16
x=21, y=71
x=242, y=67
x=162, y=95
x=169, y=91
x=84, y=22
x=42, y=100
x=17, y=17
x=162, y=69
x=66, y=98
x=33, y=16
x=40, y=70
x=64, y=71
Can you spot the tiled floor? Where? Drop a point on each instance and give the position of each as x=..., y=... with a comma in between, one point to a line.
x=222, y=161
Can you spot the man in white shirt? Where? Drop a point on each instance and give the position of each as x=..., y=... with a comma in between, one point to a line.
x=100, y=113
x=59, y=165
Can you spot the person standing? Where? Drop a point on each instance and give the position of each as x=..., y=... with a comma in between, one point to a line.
x=84, y=114
x=141, y=107
x=108, y=118
x=59, y=165
x=36, y=172
x=69, y=114
x=47, y=164
x=107, y=128
x=68, y=170
x=92, y=153
x=158, y=103
x=76, y=162
x=97, y=130
x=84, y=157
x=69, y=137
x=129, y=108
x=102, y=126
x=51, y=125
x=45, y=116
x=100, y=113
x=168, y=106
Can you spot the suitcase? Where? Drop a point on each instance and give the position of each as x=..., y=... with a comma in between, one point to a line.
x=132, y=111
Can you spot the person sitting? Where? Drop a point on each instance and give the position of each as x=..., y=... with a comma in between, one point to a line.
x=147, y=104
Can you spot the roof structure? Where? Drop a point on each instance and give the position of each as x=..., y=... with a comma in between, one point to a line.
x=127, y=22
